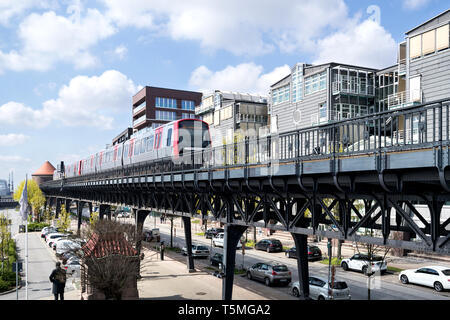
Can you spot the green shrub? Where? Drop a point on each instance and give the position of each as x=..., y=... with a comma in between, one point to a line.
x=37, y=226
x=4, y=285
x=8, y=276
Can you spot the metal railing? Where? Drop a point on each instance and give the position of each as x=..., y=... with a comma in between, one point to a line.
x=140, y=108
x=252, y=118
x=404, y=98
x=139, y=120
x=352, y=87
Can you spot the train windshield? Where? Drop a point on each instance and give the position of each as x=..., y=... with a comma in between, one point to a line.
x=193, y=133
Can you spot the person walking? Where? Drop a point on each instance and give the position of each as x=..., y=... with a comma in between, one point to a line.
x=58, y=278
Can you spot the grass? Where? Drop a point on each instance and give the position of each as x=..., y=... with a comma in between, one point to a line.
x=200, y=234
x=334, y=261
x=174, y=249
x=394, y=269
x=250, y=244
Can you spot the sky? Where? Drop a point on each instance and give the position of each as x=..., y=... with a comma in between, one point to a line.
x=69, y=68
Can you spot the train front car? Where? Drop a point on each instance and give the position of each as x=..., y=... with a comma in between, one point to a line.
x=192, y=143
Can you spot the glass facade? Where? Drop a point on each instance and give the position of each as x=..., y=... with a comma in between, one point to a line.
x=187, y=105
x=186, y=115
x=165, y=103
x=297, y=84
x=165, y=115
x=280, y=95
x=315, y=83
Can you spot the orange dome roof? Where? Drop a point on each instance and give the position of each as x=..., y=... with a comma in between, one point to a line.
x=45, y=170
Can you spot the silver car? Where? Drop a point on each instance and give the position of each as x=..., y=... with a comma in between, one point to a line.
x=198, y=251
x=318, y=289
x=270, y=273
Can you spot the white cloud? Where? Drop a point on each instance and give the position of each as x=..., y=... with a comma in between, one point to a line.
x=12, y=139
x=414, y=4
x=49, y=38
x=251, y=27
x=12, y=8
x=121, y=51
x=364, y=43
x=14, y=113
x=243, y=78
x=85, y=101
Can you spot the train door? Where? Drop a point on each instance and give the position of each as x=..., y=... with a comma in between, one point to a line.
x=158, y=138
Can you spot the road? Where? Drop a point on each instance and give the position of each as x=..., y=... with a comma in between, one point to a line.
x=385, y=287
x=41, y=262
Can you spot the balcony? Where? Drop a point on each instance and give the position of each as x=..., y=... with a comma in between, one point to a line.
x=137, y=110
x=255, y=118
x=350, y=87
x=404, y=99
x=139, y=120
x=202, y=109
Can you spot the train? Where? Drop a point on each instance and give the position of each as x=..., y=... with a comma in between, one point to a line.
x=174, y=141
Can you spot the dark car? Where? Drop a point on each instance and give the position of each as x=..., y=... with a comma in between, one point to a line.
x=269, y=245
x=313, y=253
x=211, y=233
x=216, y=259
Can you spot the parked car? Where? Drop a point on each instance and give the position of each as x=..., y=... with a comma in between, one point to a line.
x=313, y=253
x=123, y=214
x=436, y=277
x=47, y=230
x=270, y=273
x=150, y=235
x=219, y=238
x=198, y=251
x=72, y=266
x=318, y=289
x=53, y=246
x=361, y=262
x=211, y=233
x=66, y=256
x=216, y=259
x=66, y=245
x=52, y=237
x=269, y=245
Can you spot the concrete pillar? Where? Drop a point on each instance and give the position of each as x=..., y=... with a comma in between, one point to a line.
x=104, y=209
x=301, y=246
x=188, y=237
x=58, y=207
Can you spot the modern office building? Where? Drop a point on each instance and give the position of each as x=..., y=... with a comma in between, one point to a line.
x=317, y=94
x=123, y=136
x=233, y=115
x=154, y=106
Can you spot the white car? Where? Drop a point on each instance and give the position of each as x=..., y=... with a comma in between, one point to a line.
x=46, y=230
x=198, y=251
x=318, y=289
x=219, y=238
x=53, y=246
x=52, y=237
x=66, y=245
x=433, y=276
x=360, y=262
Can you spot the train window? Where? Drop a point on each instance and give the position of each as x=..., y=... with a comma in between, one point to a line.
x=136, y=148
x=143, y=145
x=150, y=143
x=169, y=136
x=120, y=152
x=125, y=150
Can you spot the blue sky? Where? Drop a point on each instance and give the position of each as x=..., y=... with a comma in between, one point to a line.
x=69, y=68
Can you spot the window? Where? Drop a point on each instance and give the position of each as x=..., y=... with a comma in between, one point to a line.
x=165, y=115
x=187, y=105
x=226, y=113
x=428, y=42
x=323, y=114
x=169, y=137
x=280, y=95
x=186, y=115
x=143, y=146
x=208, y=118
x=442, y=37
x=150, y=143
x=165, y=103
x=415, y=47
x=297, y=84
x=414, y=89
x=316, y=82
x=136, y=148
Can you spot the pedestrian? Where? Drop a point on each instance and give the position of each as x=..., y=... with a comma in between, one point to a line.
x=58, y=278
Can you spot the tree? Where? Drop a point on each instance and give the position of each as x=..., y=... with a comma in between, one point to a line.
x=36, y=198
x=64, y=219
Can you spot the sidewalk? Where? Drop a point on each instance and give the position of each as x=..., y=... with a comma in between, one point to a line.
x=170, y=280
